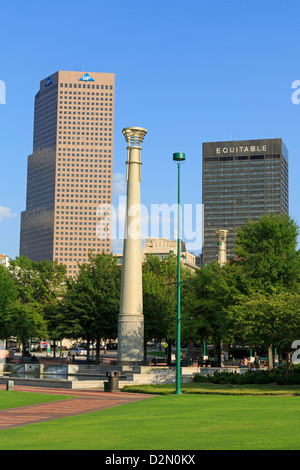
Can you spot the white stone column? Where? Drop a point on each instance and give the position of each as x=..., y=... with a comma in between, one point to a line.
x=222, y=235
x=131, y=319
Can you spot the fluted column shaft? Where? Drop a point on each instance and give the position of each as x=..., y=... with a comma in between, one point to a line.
x=131, y=319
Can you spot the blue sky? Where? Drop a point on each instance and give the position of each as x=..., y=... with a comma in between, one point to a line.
x=188, y=71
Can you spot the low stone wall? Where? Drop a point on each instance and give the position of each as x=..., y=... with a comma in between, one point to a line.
x=88, y=384
x=48, y=383
x=140, y=375
x=160, y=375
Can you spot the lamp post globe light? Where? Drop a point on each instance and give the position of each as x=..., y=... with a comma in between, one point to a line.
x=178, y=158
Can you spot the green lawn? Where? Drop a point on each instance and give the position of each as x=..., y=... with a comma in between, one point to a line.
x=219, y=389
x=156, y=353
x=15, y=399
x=172, y=422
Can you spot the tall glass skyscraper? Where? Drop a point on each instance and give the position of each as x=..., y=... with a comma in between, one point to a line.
x=241, y=180
x=71, y=168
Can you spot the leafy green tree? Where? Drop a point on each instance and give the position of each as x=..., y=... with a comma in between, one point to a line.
x=51, y=314
x=267, y=249
x=28, y=322
x=267, y=252
x=90, y=306
x=160, y=299
x=213, y=289
x=269, y=319
x=8, y=296
x=39, y=282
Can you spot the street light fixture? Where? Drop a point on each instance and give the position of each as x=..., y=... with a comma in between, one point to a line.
x=178, y=158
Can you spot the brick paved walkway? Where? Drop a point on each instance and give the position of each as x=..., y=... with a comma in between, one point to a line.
x=86, y=401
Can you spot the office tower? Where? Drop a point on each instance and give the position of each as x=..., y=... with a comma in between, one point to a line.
x=241, y=180
x=70, y=171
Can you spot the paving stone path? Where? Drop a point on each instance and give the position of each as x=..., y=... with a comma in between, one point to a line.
x=86, y=401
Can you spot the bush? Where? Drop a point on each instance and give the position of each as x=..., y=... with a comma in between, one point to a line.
x=292, y=379
x=224, y=377
x=255, y=377
x=199, y=378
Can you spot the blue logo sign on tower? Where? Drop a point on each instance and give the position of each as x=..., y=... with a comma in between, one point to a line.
x=86, y=78
x=48, y=82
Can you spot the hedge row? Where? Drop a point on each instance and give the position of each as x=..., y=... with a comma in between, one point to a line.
x=277, y=376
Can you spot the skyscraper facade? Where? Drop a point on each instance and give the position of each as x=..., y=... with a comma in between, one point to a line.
x=241, y=180
x=70, y=171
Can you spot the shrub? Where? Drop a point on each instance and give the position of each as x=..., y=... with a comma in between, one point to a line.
x=292, y=379
x=199, y=378
x=224, y=377
x=261, y=377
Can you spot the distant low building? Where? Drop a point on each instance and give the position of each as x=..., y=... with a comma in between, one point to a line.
x=120, y=258
x=199, y=260
x=163, y=247
x=4, y=260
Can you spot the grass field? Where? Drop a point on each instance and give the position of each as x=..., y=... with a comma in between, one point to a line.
x=15, y=399
x=219, y=389
x=156, y=353
x=171, y=422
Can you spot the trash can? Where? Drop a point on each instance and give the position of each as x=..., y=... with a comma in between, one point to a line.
x=113, y=380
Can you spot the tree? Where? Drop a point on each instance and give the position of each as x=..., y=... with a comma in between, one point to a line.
x=51, y=314
x=160, y=299
x=8, y=296
x=267, y=252
x=28, y=322
x=90, y=307
x=267, y=249
x=269, y=319
x=38, y=284
x=213, y=289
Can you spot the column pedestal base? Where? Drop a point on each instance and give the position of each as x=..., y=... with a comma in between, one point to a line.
x=130, y=339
